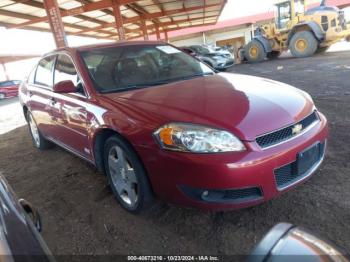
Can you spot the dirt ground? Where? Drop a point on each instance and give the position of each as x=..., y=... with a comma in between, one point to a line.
x=81, y=216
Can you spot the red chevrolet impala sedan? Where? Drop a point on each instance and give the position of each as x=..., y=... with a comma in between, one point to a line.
x=160, y=123
x=9, y=88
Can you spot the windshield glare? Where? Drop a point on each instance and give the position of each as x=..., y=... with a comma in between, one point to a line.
x=202, y=50
x=117, y=68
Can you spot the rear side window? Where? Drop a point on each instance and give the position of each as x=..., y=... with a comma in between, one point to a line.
x=43, y=74
x=65, y=70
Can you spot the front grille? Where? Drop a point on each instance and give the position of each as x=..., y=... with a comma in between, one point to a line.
x=223, y=195
x=290, y=173
x=285, y=133
x=244, y=194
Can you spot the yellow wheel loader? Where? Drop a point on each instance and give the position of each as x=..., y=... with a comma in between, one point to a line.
x=304, y=33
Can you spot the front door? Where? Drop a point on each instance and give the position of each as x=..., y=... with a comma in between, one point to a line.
x=69, y=110
x=284, y=15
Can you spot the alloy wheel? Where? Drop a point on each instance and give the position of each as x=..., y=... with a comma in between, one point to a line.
x=301, y=45
x=253, y=52
x=123, y=176
x=34, y=130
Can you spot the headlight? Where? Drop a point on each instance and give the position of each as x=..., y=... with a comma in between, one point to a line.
x=197, y=139
x=218, y=58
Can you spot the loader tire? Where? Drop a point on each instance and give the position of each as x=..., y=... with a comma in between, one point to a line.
x=303, y=44
x=254, y=52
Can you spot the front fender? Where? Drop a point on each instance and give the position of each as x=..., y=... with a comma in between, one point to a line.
x=313, y=26
x=264, y=42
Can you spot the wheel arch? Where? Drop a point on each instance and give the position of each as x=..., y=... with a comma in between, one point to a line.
x=265, y=43
x=310, y=26
x=98, y=143
x=25, y=112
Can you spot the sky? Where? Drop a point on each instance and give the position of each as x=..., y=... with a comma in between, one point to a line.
x=239, y=8
x=31, y=42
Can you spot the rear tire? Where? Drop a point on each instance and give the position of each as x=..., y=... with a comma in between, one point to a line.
x=303, y=44
x=254, y=52
x=39, y=141
x=126, y=175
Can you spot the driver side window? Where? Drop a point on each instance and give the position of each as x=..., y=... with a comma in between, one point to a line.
x=284, y=15
x=65, y=70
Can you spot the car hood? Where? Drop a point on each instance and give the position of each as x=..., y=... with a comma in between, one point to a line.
x=245, y=105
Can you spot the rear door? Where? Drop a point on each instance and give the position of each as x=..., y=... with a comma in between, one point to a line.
x=69, y=110
x=39, y=94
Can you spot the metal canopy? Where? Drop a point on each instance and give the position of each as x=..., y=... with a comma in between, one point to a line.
x=104, y=19
x=13, y=58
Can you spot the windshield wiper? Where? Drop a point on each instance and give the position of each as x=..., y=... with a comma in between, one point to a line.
x=133, y=87
x=162, y=82
x=191, y=76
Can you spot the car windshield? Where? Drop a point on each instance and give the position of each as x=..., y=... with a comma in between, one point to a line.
x=202, y=50
x=116, y=69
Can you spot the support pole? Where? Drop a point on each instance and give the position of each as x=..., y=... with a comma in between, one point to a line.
x=157, y=32
x=166, y=36
x=56, y=24
x=5, y=71
x=144, y=29
x=118, y=20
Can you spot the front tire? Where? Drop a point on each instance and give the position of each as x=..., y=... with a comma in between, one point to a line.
x=126, y=175
x=303, y=44
x=254, y=52
x=39, y=141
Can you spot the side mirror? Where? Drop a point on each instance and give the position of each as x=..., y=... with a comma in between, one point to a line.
x=285, y=242
x=64, y=87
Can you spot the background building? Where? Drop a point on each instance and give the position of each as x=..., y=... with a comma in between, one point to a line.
x=236, y=32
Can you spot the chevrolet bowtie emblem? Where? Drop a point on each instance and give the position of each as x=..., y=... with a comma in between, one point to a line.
x=297, y=129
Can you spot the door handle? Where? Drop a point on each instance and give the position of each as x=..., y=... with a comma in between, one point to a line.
x=30, y=93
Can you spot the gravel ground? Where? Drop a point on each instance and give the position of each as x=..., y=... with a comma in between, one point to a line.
x=80, y=215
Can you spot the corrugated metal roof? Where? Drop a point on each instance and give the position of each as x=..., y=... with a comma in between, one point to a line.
x=99, y=22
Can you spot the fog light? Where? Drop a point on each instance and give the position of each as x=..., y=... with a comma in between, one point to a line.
x=205, y=193
x=2, y=96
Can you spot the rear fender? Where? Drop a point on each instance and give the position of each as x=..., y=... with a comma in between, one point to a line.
x=308, y=26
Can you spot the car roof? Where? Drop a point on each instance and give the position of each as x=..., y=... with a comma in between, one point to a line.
x=106, y=45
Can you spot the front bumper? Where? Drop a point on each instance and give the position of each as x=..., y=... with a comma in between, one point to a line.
x=175, y=176
x=224, y=64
